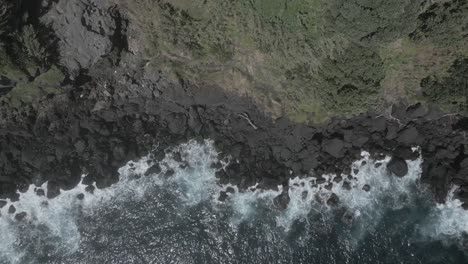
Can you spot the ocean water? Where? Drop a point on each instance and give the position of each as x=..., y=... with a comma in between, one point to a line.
x=179, y=219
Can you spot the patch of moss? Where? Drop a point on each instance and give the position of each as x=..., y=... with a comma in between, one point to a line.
x=44, y=84
x=8, y=69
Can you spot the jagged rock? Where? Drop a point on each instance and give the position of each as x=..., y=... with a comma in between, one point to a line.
x=222, y=196
x=11, y=209
x=333, y=200
x=366, y=187
x=90, y=188
x=346, y=186
x=406, y=153
x=348, y=218
x=169, y=173
x=281, y=201
x=155, y=169
x=40, y=192
x=53, y=189
x=230, y=190
x=80, y=196
x=20, y=216
x=80, y=44
x=398, y=166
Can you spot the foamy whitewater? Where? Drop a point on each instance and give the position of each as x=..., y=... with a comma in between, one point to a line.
x=379, y=218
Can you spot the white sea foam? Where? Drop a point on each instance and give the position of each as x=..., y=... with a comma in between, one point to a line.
x=57, y=217
x=245, y=203
x=448, y=221
x=196, y=182
x=385, y=190
x=308, y=197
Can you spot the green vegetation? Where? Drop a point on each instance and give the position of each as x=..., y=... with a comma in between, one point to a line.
x=450, y=91
x=308, y=59
x=44, y=84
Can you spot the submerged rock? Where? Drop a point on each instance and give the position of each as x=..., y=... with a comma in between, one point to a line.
x=90, y=188
x=80, y=196
x=333, y=200
x=366, y=187
x=222, y=196
x=20, y=216
x=169, y=173
x=11, y=209
x=346, y=186
x=348, y=218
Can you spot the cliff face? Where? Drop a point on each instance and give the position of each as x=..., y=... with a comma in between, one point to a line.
x=307, y=59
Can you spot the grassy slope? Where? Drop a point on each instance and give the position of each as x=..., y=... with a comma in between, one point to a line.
x=310, y=59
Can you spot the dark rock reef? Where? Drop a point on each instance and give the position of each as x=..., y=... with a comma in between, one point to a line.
x=109, y=106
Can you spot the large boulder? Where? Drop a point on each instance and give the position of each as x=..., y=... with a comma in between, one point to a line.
x=398, y=167
x=334, y=147
x=281, y=201
x=84, y=32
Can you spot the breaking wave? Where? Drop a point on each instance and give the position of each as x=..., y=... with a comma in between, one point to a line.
x=175, y=214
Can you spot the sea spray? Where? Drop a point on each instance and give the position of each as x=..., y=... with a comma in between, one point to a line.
x=52, y=222
x=448, y=222
x=182, y=200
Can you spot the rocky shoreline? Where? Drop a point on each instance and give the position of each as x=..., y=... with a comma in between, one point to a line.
x=96, y=129
x=114, y=109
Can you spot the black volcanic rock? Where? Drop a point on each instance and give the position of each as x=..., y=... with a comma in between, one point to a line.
x=20, y=216
x=155, y=169
x=222, y=196
x=366, y=188
x=409, y=136
x=334, y=147
x=281, y=201
x=406, y=153
x=398, y=166
x=333, y=200
x=11, y=209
